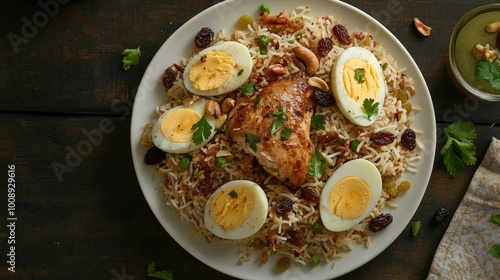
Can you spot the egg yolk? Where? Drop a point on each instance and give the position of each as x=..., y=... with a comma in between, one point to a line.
x=212, y=70
x=359, y=91
x=232, y=206
x=350, y=197
x=176, y=125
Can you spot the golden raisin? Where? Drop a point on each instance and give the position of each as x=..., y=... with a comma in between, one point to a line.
x=388, y=182
x=393, y=192
x=283, y=264
x=407, y=106
x=244, y=21
x=404, y=186
x=402, y=95
x=258, y=244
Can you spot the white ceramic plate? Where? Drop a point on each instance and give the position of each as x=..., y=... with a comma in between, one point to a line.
x=224, y=257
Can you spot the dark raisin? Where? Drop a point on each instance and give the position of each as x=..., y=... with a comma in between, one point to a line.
x=325, y=45
x=295, y=238
x=328, y=139
x=168, y=78
x=179, y=68
x=282, y=207
x=204, y=37
x=498, y=40
x=322, y=98
x=440, y=216
x=383, y=138
x=310, y=195
x=342, y=34
x=380, y=222
x=154, y=156
x=409, y=139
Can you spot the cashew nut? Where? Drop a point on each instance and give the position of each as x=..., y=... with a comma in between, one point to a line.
x=220, y=121
x=318, y=83
x=275, y=69
x=493, y=27
x=308, y=58
x=421, y=27
x=223, y=153
x=227, y=105
x=213, y=109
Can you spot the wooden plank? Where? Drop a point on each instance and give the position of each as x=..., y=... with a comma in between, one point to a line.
x=72, y=62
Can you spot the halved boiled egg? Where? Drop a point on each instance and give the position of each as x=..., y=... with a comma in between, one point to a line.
x=350, y=194
x=236, y=210
x=173, y=132
x=219, y=69
x=357, y=76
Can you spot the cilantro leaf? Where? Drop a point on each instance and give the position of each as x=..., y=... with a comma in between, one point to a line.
x=131, y=57
x=281, y=113
x=370, y=108
x=459, y=149
x=286, y=133
x=495, y=250
x=252, y=141
x=279, y=119
x=415, y=227
x=163, y=274
x=489, y=71
x=495, y=219
x=277, y=125
x=202, y=130
x=317, y=167
x=318, y=122
x=256, y=103
x=233, y=194
x=247, y=89
x=359, y=75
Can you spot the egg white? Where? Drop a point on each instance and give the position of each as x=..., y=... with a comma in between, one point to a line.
x=252, y=224
x=173, y=147
x=353, y=111
x=361, y=168
x=243, y=61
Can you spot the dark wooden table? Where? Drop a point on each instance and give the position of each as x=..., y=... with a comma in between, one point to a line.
x=61, y=77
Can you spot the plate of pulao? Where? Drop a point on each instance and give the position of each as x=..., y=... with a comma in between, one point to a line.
x=283, y=140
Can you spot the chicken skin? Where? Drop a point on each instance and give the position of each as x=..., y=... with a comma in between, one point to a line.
x=259, y=125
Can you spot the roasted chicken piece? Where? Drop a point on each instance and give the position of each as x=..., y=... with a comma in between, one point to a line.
x=253, y=120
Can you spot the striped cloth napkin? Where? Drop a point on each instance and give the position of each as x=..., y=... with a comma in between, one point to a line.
x=463, y=253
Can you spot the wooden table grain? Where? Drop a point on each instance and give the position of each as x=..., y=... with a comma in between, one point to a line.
x=80, y=211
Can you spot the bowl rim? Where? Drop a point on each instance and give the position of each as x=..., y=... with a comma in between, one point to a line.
x=457, y=77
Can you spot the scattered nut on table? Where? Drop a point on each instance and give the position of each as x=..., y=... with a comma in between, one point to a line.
x=421, y=27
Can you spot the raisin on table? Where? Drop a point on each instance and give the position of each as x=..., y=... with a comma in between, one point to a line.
x=440, y=216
